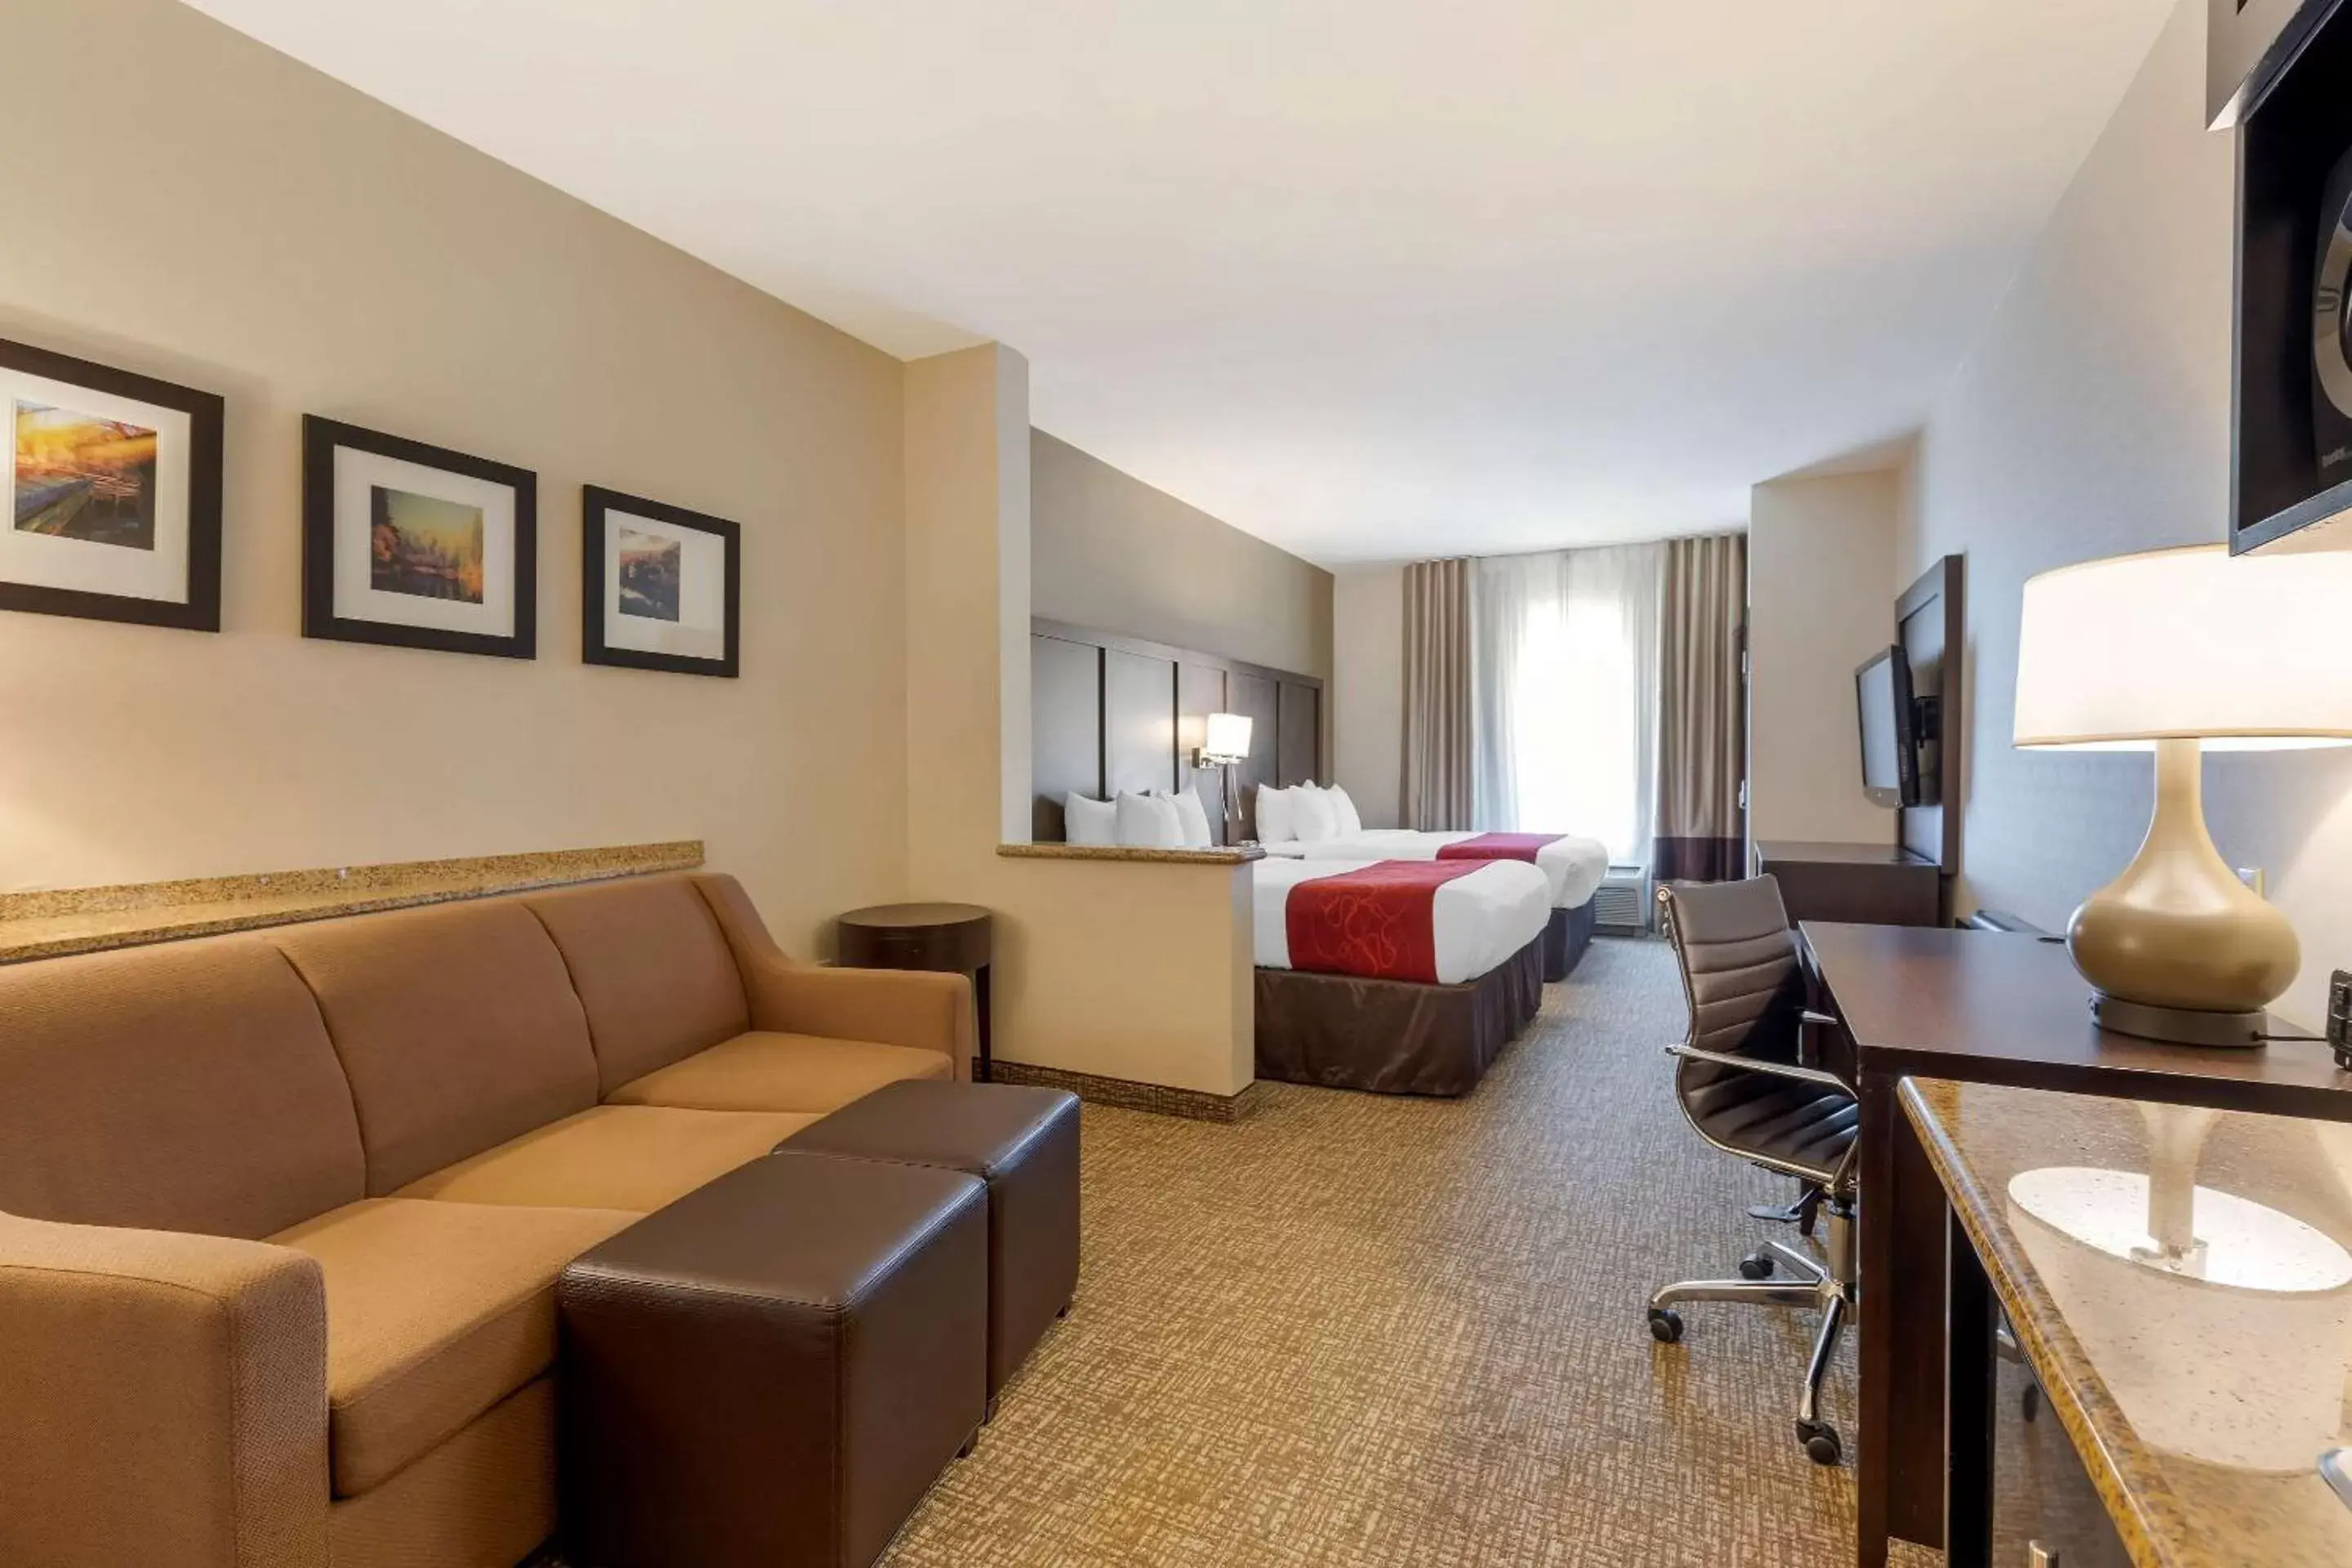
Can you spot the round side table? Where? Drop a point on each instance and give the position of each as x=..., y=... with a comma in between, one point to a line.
x=956, y=938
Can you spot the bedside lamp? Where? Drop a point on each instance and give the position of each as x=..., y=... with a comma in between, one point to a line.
x=1225, y=744
x=2173, y=651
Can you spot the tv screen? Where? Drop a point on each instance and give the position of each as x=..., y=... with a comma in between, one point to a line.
x=1890, y=758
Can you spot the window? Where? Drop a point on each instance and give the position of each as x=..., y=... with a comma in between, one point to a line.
x=1564, y=680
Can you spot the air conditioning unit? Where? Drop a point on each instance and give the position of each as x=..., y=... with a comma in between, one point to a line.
x=1622, y=903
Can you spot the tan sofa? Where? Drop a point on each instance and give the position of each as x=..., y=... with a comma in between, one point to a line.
x=282, y=1213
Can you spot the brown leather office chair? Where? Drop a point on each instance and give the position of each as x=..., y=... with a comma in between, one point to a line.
x=1745, y=1089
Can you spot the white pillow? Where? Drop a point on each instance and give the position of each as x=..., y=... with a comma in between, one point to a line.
x=1191, y=819
x=1085, y=820
x=1343, y=810
x=1147, y=823
x=1274, y=821
x=1312, y=815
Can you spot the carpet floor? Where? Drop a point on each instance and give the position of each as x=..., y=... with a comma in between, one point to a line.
x=1355, y=1330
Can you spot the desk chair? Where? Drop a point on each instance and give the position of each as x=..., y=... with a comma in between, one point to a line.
x=1741, y=1081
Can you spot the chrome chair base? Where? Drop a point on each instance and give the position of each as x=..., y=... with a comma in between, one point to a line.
x=1825, y=1283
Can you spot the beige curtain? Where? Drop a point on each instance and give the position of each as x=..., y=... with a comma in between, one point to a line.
x=1437, y=784
x=1701, y=830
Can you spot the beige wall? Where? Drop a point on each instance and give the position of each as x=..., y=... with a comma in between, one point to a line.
x=2093, y=417
x=1368, y=690
x=1111, y=552
x=1132, y=970
x=187, y=202
x=1819, y=555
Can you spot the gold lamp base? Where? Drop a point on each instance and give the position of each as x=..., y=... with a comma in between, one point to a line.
x=2179, y=949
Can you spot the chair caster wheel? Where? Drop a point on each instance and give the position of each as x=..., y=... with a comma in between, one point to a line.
x=1821, y=1441
x=2029, y=1403
x=1665, y=1325
x=1756, y=1266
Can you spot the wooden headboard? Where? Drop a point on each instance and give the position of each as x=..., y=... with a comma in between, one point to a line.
x=1110, y=712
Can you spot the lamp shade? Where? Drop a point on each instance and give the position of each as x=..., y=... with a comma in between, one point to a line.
x=2190, y=644
x=1228, y=737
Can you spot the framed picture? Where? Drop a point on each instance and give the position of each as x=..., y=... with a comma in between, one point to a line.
x=661, y=588
x=114, y=494
x=416, y=546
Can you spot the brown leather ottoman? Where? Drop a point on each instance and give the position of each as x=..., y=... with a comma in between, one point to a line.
x=1023, y=1142
x=774, y=1368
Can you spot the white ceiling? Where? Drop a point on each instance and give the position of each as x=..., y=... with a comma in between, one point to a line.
x=1372, y=279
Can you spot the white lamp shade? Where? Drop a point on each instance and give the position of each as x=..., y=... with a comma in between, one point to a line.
x=1228, y=737
x=2187, y=644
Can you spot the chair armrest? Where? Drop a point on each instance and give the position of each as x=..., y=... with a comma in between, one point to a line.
x=897, y=1006
x=1757, y=1064
x=162, y=1399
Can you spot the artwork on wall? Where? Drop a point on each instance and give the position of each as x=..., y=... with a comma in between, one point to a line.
x=416, y=546
x=114, y=493
x=661, y=586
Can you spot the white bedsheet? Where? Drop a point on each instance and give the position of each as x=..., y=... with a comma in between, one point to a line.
x=1573, y=865
x=1479, y=920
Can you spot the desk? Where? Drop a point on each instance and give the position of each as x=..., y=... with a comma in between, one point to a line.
x=1981, y=1007
x=1869, y=884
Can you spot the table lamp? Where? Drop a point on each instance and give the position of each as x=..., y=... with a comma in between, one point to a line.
x=1225, y=744
x=2173, y=651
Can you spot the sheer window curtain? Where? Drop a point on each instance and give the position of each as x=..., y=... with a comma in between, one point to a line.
x=1564, y=725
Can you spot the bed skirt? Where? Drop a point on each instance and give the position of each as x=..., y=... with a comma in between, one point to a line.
x=1565, y=939
x=1394, y=1036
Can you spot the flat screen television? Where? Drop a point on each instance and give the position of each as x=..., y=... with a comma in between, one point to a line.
x=1890, y=739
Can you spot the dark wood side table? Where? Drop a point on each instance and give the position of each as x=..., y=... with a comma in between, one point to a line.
x=1868, y=884
x=1977, y=1007
x=954, y=939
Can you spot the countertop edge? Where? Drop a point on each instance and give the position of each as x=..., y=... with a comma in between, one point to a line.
x=2129, y=1482
x=118, y=917
x=1220, y=857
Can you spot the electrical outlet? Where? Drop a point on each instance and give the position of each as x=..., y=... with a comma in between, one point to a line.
x=2251, y=876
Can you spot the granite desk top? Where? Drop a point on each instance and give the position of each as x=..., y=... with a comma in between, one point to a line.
x=2198, y=1390
x=1226, y=854
x=51, y=924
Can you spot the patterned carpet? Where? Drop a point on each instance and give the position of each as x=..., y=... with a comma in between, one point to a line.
x=1361, y=1331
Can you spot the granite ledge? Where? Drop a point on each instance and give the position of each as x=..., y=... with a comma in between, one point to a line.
x=1235, y=855
x=55, y=923
x=2148, y=1518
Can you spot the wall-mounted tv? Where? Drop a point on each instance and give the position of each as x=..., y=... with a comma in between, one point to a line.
x=1890, y=728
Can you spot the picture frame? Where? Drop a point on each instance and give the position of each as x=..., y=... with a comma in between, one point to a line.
x=412, y=546
x=661, y=586
x=113, y=483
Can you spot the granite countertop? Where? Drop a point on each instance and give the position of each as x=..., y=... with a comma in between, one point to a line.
x=51, y=924
x=2199, y=1392
x=1232, y=855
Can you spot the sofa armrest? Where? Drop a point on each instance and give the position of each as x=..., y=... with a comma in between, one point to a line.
x=162, y=1399
x=895, y=1007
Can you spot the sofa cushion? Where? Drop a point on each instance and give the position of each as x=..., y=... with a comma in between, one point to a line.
x=636, y=1157
x=483, y=1499
x=456, y=1027
x=185, y=1086
x=435, y=1313
x=652, y=968
x=761, y=1071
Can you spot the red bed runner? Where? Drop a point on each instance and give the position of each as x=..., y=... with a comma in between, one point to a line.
x=1380, y=921
x=1498, y=846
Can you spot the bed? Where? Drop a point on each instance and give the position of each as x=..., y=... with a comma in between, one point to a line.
x=1397, y=976
x=1574, y=867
